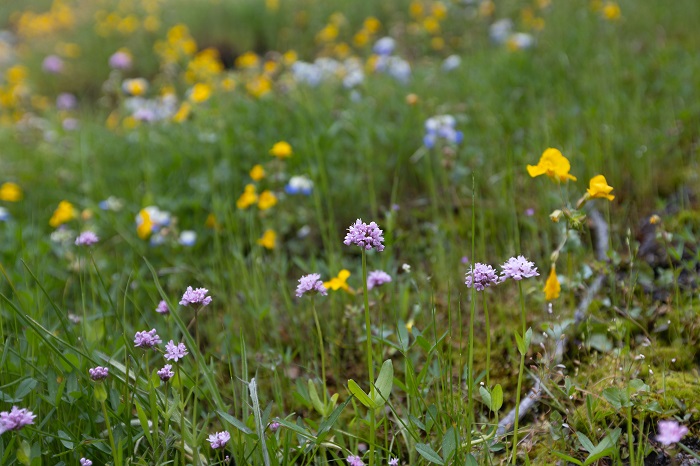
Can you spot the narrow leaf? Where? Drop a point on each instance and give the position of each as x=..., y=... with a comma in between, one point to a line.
x=428, y=453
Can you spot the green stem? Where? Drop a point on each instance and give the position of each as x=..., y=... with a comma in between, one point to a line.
x=370, y=366
x=521, y=369
x=195, y=447
x=630, y=435
x=320, y=347
x=109, y=431
x=472, y=312
x=488, y=341
x=182, y=412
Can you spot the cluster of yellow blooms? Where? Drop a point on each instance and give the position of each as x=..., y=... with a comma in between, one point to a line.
x=553, y=164
x=32, y=25
x=428, y=18
x=128, y=18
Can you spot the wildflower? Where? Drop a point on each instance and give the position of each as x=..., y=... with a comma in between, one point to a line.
x=111, y=203
x=200, y=93
x=611, y=11
x=355, y=461
x=552, y=288
x=411, y=99
x=274, y=425
x=99, y=373
x=364, y=235
x=377, y=278
x=86, y=238
x=441, y=127
x=182, y=113
x=384, y=46
x=452, y=62
x=136, y=87
x=4, y=214
x=198, y=296
x=70, y=124
x=654, y=219
x=120, y=60
x=146, y=339
x=500, y=30
x=553, y=164
x=520, y=41
x=267, y=200
x=188, y=238
x=281, y=150
x=670, y=432
x=166, y=373
x=299, y=185
x=481, y=276
x=64, y=213
x=339, y=282
x=162, y=308
x=598, y=188
x=219, y=439
x=257, y=173
x=518, y=268
x=15, y=419
x=10, y=192
x=268, y=239
x=394, y=462
x=311, y=283
x=66, y=101
x=144, y=225
x=52, y=64
x=248, y=198
x=85, y=462
x=175, y=352
x=529, y=212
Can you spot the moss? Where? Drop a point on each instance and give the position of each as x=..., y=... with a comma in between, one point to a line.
x=683, y=386
x=679, y=357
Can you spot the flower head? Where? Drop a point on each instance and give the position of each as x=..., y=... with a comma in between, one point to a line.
x=99, y=373
x=162, y=308
x=518, y=268
x=281, y=150
x=481, y=276
x=146, y=339
x=339, y=282
x=198, y=296
x=598, y=187
x=311, y=283
x=219, y=439
x=175, y=352
x=257, y=173
x=66, y=101
x=268, y=239
x=86, y=238
x=355, y=461
x=120, y=60
x=441, y=127
x=394, y=462
x=65, y=212
x=267, y=200
x=670, y=432
x=15, y=419
x=10, y=192
x=52, y=64
x=377, y=278
x=364, y=235
x=552, y=287
x=85, y=462
x=187, y=238
x=274, y=426
x=248, y=198
x=166, y=373
x=553, y=164
x=299, y=185
x=136, y=87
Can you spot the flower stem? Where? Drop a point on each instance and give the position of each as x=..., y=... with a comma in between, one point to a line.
x=320, y=347
x=109, y=429
x=370, y=366
x=488, y=341
x=195, y=448
x=182, y=413
x=521, y=369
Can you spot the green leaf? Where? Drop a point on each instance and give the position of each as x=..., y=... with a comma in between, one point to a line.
x=636, y=385
x=568, y=458
x=606, y=447
x=143, y=420
x=585, y=442
x=428, y=453
x=616, y=397
x=65, y=439
x=100, y=392
x=327, y=423
x=385, y=381
x=417, y=422
x=25, y=386
x=235, y=422
x=496, y=398
x=471, y=461
x=449, y=443
x=296, y=428
x=358, y=393
x=485, y=396
x=315, y=400
x=402, y=335
x=24, y=452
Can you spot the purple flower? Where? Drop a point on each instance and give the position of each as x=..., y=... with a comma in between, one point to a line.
x=85, y=462
x=219, y=439
x=52, y=64
x=99, y=373
x=198, y=296
x=86, y=238
x=175, y=352
x=66, y=101
x=355, y=461
x=162, y=308
x=311, y=283
x=365, y=236
x=274, y=425
x=70, y=124
x=146, y=339
x=120, y=60
x=15, y=419
x=394, y=462
x=670, y=432
x=530, y=212
x=377, y=278
x=166, y=373
x=518, y=268
x=482, y=277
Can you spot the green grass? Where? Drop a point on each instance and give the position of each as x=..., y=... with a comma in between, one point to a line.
x=618, y=98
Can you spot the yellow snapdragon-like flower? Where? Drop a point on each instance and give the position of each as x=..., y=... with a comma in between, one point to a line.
x=552, y=287
x=200, y=93
x=257, y=173
x=268, y=239
x=599, y=188
x=65, y=212
x=554, y=165
x=339, y=282
x=267, y=200
x=145, y=225
x=281, y=150
x=248, y=198
x=10, y=192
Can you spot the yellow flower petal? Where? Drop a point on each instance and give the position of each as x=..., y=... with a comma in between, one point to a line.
x=552, y=287
x=599, y=188
x=10, y=192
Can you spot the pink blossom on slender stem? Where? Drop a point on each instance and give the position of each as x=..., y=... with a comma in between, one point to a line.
x=219, y=439
x=86, y=238
x=146, y=339
x=166, y=373
x=198, y=296
x=481, y=276
x=162, y=308
x=85, y=462
x=15, y=419
x=311, y=283
x=99, y=373
x=518, y=268
x=175, y=352
x=355, y=461
x=364, y=235
x=377, y=278
x=670, y=432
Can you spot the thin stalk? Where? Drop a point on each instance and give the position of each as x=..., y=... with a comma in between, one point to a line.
x=520, y=377
x=472, y=312
x=630, y=435
x=370, y=366
x=488, y=341
x=109, y=429
x=194, y=389
x=320, y=347
x=182, y=413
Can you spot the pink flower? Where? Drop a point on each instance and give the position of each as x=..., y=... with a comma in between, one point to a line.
x=670, y=432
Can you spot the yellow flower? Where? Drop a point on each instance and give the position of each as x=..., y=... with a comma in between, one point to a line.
x=416, y=9
x=372, y=25
x=339, y=282
x=654, y=219
x=289, y=57
x=135, y=87
x=145, y=225
x=611, y=11
x=361, y=38
x=248, y=198
x=65, y=212
x=248, y=60
x=268, y=239
x=259, y=86
x=431, y=25
x=182, y=113
x=257, y=173
x=200, y=93
x=411, y=99
x=211, y=222
x=439, y=10
x=267, y=200
x=552, y=288
x=328, y=34
x=10, y=192
x=599, y=188
x=272, y=5
x=553, y=164
x=281, y=150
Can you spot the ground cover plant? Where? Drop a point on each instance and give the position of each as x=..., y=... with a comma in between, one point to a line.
x=329, y=232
